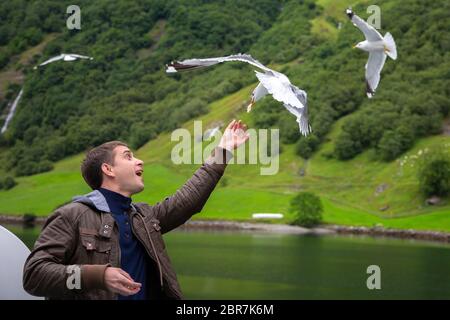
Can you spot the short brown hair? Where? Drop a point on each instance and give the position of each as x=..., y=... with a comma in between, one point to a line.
x=91, y=167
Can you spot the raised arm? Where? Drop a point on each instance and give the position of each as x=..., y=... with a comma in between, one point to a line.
x=192, y=196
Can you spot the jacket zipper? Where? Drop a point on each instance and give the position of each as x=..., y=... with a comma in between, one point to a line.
x=153, y=248
x=157, y=259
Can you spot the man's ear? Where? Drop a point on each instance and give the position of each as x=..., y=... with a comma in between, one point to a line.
x=108, y=170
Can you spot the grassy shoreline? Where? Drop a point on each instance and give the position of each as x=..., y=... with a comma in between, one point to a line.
x=268, y=226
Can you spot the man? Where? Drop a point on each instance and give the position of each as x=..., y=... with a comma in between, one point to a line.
x=115, y=247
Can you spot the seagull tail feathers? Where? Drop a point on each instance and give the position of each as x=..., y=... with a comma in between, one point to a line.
x=390, y=46
x=304, y=126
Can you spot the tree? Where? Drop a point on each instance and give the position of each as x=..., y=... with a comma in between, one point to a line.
x=345, y=147
x=140, y=134
x=395, y=142
x=308, y=209
x=306, y=146
x=9, y=183
x=434, y=173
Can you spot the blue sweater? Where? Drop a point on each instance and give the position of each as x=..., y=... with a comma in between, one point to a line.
x=134, y=258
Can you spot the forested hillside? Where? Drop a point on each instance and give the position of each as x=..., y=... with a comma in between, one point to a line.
x=124, y=93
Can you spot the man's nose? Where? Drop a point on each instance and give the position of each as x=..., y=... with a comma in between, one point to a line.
x=140, y=162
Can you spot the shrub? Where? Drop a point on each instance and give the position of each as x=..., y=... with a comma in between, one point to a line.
x=395, y=142
x=434, y=173
x=306, y=146
x=140, y=134
x=308, y=209
x=27, y=167
x=345, y=147
x=9, y=183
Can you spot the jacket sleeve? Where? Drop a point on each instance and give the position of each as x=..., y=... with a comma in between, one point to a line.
x=192, y=196
x=46, y=271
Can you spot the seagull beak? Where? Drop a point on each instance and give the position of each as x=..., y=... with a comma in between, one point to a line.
x=353, y=47
x=386, y=49
x=249, y=107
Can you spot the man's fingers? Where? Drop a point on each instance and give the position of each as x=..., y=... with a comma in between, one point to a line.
x=130, y=285
x=230, y=125
x=125, y=287
x=124, y=291
x=236, y=125
x=233, y=127
x=125, y=274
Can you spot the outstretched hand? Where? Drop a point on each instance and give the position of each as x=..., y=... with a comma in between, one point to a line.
x=235, y=135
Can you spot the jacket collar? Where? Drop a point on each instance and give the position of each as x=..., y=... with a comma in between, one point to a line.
x=96, y=200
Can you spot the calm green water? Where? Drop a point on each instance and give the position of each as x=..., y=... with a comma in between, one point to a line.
x=236, y=265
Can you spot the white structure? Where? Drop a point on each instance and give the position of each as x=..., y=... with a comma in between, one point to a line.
x=13, y=254
x=267, y=216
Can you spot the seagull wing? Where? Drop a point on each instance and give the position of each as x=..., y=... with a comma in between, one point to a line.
x=248, y=59
x=79, y=56
x=280, y=91
x=374, y=66
x=61, y=56
x=370, y=32
x=300, y=113
x=190, y=64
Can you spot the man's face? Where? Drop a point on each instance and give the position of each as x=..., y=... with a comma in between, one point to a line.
x=127, y=171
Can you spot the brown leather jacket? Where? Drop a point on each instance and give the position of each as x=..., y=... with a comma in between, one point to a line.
x=84, y=234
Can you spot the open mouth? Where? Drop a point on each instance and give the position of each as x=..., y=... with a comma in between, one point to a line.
x=139, y=173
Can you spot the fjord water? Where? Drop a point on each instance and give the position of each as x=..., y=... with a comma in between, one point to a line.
x=248, y=265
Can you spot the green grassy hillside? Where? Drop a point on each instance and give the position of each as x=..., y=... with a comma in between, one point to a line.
x=346, y=188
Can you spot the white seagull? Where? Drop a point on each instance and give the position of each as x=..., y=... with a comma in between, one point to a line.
x=270, y=82
x=377, y=46
x=65, y=57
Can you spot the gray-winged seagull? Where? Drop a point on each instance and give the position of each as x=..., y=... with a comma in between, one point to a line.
x=270, y=82
x=65, y=57
x=377, y=46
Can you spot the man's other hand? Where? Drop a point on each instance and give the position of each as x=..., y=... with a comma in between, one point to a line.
x=118, y=281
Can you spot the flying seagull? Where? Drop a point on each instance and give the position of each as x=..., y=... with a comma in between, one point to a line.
x=378, y=47
x=65, y=57
x=270, y=82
